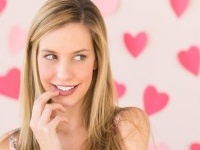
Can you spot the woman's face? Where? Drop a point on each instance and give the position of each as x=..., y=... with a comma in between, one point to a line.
x=66, y=61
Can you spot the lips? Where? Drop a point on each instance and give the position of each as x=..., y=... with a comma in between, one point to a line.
x=66, y=90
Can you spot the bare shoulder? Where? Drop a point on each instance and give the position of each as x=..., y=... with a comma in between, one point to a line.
x=134, y=128
x=133, y=115
x=6, y=138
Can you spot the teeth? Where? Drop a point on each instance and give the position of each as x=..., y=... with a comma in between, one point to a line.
x=64, y=88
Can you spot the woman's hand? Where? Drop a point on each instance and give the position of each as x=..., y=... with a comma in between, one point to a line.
x=42, y=125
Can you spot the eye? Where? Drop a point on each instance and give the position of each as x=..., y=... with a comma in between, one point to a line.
x=80, y=57
x=50, y=57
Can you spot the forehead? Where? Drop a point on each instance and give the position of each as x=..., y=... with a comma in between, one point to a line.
x=69, y=36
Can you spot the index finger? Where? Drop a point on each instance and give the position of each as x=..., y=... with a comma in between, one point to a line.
x=41, y=102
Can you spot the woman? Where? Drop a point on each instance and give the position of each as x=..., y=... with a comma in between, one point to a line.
x=67, y=90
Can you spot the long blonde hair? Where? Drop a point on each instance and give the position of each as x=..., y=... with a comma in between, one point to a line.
x=98, y=109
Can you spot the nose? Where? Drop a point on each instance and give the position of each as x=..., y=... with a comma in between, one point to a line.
x=64, y=71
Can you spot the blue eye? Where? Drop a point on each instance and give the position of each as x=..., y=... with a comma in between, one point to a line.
x=80, y=57
x=50, y=57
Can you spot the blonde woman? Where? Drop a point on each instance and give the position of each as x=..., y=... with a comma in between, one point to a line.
x=67, y=91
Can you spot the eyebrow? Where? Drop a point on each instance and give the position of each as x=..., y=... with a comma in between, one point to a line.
x=77, y=51
x=81, y=50
x=47, y=50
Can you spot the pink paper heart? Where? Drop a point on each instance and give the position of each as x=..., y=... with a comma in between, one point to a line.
x=179, y=6
x=17, y=38
x=2, y=5
x=159, y=146
x=195, y=146
x=9, y=84
x=135, y=45
x=190, y=59
x=107, y=7
x=154, y=101
x=121, y=89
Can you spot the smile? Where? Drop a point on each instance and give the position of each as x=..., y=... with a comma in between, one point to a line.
x=66, y=90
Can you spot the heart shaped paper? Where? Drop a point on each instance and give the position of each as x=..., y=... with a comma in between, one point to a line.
x=17, y=38
x=135, y=45
x=195, y=146
x=121, y=89
x=3, y=4
x=154, y=101
x=9, y=83
x=190, y=59
x=179, y=6
x=107, y=7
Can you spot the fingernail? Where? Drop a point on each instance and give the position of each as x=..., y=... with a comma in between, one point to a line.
x=56, y=92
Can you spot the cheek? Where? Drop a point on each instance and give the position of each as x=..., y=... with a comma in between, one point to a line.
x=45, y=72
x=85, y=73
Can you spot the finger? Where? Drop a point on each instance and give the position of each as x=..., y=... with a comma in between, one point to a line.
x=55, y=122
x=45, y=97
x=46, y=114
x=40, y=103
x=42, y=100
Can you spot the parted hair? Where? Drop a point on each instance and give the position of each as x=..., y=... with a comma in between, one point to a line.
x=98, y=108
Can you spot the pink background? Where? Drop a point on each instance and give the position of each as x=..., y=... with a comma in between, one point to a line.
x=155, y=56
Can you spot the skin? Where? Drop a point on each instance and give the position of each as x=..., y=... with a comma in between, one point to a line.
x=56, y=118
x=134, y=129
x=65, y=58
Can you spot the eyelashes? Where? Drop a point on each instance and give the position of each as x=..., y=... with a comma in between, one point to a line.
x=79, y=57
x=50, y=57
